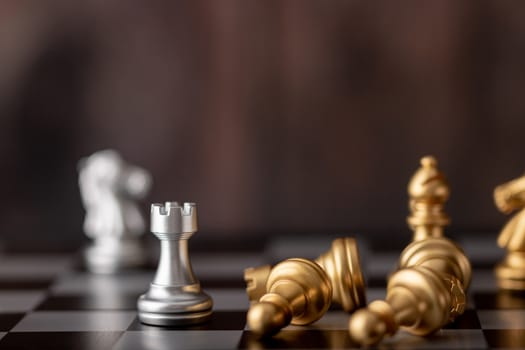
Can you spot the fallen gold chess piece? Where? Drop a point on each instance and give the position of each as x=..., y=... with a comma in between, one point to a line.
x=426, y=293
x=299, y=291
x=341, y=263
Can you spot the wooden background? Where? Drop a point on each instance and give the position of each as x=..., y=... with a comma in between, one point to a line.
x=275, y=116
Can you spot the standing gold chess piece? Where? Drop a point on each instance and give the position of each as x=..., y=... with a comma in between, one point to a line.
x=425, y=294
x=341, y=263
x=428, y=190
x=298, y=292
x=509, y=197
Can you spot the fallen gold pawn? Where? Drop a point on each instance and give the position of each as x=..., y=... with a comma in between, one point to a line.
x=298, y=292
x=341, y=263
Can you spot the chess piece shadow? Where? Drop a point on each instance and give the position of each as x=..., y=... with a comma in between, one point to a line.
x=298, y=339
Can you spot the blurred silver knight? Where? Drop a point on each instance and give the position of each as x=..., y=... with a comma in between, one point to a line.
x=110, y=188
x=175, y=296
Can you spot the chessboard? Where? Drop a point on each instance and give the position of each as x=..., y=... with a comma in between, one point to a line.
x=48, y=302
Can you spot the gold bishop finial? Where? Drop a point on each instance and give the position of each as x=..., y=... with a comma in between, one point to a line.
x=342, y=265
x=510, y=197
x=298, y=292
x=428, y=191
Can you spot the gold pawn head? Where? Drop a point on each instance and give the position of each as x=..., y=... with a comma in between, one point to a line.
x=428, y=190
x=369, y=326
x=343, y=267
x=439, y=254
x=419, y=300
x=298, y=292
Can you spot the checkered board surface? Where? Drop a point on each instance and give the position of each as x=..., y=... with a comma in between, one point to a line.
x=47, y=302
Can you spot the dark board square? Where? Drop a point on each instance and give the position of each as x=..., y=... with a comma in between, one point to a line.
x=24, y=284
x=388, y=244
x=499, y=300
x=505, y=338
x=89, y=302
x=469, y=320
x=254, y=245
x=218, y=282
x=8, y=321
x=60, y=340
x=486, y=264
x=376, y=282
x=220, y=320
x=298, y=339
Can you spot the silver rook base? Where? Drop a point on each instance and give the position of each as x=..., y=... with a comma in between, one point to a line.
x=175, y=296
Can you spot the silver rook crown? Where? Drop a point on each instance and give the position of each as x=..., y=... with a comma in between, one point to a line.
x=171, y=219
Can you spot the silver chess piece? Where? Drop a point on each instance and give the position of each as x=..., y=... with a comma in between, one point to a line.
x=110, y=188
x=175, y=296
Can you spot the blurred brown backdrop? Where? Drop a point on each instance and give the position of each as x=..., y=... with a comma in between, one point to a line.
x=275, y=116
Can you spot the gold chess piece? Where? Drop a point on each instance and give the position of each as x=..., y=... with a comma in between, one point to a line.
x=298, y=292
x=341, y=263
x=418, y=300
x=510, y=197
x=256, y=278
x=439, y=254
x=428, y=191
x=427, y=292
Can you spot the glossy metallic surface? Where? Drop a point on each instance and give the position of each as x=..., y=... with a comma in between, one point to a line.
x=427, y=292
x=428, y=190
x=175, y=296
x=298, y=292
x=439, y=254
x=343, y=267
x=256, y=278
x=419, y=300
